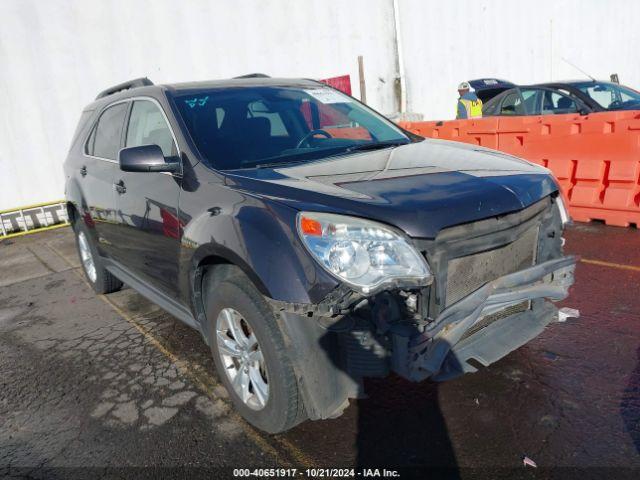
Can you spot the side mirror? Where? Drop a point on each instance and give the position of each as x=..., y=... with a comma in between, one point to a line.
x=146, y=158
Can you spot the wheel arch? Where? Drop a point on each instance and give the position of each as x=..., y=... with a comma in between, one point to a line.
x=206, y=258
x=76, y=204
x=73, y=214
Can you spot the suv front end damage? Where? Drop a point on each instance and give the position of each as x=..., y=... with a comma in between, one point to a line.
x=484, y=326
x=491, y=292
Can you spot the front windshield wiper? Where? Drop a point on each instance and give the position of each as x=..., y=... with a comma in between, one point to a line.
x=278, y=164
x=376, y=145
x=290, y=159
x=324, y=152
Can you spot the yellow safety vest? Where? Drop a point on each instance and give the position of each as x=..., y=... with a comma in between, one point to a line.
x=473, y=108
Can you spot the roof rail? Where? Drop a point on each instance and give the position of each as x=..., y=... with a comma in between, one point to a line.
x=138, y=82
x=253, y=75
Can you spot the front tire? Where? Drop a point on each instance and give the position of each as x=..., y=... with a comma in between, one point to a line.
x=100, y=279
x=249, y=353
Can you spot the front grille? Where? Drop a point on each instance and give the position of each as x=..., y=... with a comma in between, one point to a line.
x=466, y=274
x=489, y=319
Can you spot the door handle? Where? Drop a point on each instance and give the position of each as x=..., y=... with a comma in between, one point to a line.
x=120, y=187
x=83, y=170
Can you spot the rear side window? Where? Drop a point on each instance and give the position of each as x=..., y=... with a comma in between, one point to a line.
x=491, y=107
x=104, y=141
x=147, y=126
x=512, y=105
x=532, y=99
x=82, y=125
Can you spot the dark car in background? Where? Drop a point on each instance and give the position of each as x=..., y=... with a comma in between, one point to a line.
x=600, y=96
x=578, y=96
x=311, y=241
x=487, y=88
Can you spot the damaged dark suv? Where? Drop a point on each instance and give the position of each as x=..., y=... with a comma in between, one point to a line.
x=311, y=241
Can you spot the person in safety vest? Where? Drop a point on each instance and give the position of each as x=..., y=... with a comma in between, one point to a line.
x=469, y=105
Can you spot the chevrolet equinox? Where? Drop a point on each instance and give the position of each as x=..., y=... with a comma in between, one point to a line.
x=311, y=241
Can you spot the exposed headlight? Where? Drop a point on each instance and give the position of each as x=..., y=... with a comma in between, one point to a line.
x=564, y=213
x=365, y=254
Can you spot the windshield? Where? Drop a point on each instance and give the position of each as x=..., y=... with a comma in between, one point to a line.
x=247, y=127
x=610, y=96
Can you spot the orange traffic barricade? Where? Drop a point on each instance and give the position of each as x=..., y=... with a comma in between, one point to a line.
x=596, y=157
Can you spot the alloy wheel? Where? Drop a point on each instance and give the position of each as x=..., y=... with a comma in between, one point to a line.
x=242, y=358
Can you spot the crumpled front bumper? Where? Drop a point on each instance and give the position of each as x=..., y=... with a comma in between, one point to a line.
x=442, y=351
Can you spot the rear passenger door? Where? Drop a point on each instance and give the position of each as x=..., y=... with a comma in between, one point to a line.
x=96, y=173
x=149, y=225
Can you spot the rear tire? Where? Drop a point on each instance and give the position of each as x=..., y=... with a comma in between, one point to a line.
x=232, y=299
x=101, y=280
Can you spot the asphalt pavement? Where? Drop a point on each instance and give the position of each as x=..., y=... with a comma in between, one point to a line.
x=114, y=387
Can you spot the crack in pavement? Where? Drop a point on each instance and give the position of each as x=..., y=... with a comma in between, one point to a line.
x=206, y=384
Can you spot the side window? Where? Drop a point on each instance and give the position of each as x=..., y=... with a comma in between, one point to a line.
x=83, y=124
x=512, y=104
x=488, y=109
x=104, y=141
x=556, y=103
x=624, y=97
x=260, y=110
x=89, y=146
x=603, y=96
x=147, y=126
x=532, y=97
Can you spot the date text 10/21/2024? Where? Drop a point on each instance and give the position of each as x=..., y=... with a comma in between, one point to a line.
x=316, y=473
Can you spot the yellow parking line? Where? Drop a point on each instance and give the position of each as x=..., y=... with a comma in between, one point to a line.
x=601, y=263
x=33, y=230
x=203, y=381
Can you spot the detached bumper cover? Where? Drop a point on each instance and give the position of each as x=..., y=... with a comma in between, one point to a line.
x=442, y=351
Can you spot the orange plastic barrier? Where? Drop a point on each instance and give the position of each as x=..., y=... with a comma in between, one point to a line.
x=352, y=133
x=596, y=158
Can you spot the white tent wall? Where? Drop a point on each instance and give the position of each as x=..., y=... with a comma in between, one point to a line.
x=55, y=56
x=447, y=42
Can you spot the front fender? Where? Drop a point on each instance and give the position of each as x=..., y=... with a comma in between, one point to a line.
x=259, y=237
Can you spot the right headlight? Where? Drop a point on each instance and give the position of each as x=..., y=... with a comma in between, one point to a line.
x=367, y=255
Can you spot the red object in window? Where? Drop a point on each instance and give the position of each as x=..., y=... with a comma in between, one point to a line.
x=329, y=117
x=342, y=83
x=305, y=108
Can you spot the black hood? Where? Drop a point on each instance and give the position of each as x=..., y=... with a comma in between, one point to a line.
x=419, y=188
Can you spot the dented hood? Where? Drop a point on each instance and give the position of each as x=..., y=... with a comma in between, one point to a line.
x=420, y=188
